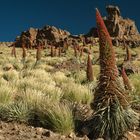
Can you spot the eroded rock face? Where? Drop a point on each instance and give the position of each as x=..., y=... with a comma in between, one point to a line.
x=32, y=33
x=123, y=31
x=46, y=35
x=27, y=38
x=52, y=33
x=117, y=25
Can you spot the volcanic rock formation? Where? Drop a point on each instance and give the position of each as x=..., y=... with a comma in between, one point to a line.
x=48, y=34
x=123, y=31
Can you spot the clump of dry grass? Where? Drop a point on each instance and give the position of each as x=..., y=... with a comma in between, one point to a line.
x=10, y=75
x=59, y=77
x=79, y=76
x=76, y=93
x=59, y=118
x=18, y=111
x=6, y=95
x=134, y=78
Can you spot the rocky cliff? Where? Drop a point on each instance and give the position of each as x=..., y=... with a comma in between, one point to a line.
x=123, y=31
x=47, y=34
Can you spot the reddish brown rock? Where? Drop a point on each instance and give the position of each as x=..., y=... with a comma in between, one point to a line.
x=117, y=25
x=122, y=30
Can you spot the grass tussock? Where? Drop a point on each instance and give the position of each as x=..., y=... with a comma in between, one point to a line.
x=60, y=119
x=10, y=75
x=6, y=95
x=76, y=93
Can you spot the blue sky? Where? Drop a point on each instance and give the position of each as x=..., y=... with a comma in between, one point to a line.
x=76, y=16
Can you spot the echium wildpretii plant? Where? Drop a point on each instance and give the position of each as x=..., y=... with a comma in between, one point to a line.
x=55, y=51
x=128, y=54
x=52, y=51
x=126, y=81
x=81, y=51
x=89, y=69
x=75, y=51
x=59, y=51
x=13, y=52
x=112, y=114
x=38, y=53
x=23, y=53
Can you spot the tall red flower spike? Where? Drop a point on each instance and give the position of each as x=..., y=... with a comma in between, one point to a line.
x=75, y=51
x=59, y=51
x=89, y=69
x=128, y=54
x=107, y=54
x=23, y=52
x=126, y=81
x=38, y=53
x=108, y=80
x=52, y=51
x=112, y=115
x=81, y=51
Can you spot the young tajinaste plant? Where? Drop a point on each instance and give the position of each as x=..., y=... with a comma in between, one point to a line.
x=89, y=69
x=128, y=54
x=126, y=81
x=13, y=52
x=38, y=53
